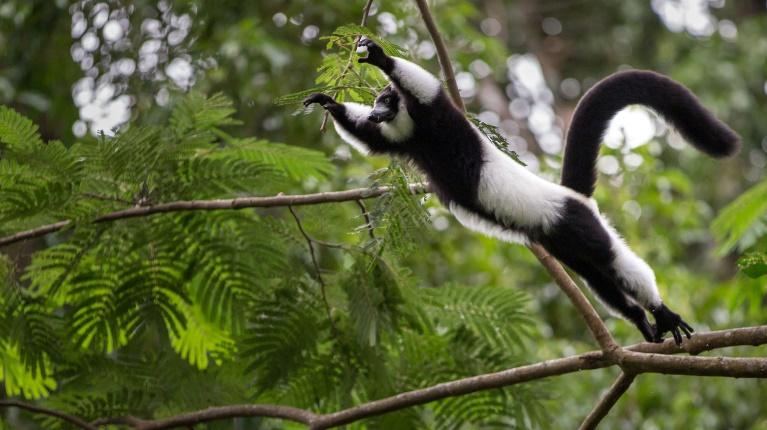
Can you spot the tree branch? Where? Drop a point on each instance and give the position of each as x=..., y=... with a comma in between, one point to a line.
x=220, y=204
x=442, y=55
x=213, y=414
x=51, y=412
x=581, y=303
x=608, y=401
x=657, y=361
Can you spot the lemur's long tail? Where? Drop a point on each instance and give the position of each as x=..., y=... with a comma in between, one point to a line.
x=669, y=98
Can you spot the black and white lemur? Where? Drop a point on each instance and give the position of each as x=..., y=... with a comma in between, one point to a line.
x=489, y=192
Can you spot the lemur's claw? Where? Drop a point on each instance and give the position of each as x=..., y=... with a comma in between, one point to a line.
x=320, y=98
x=669, y=321
x=376, y=54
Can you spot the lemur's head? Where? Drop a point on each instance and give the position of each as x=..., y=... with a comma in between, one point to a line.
x=386, y=106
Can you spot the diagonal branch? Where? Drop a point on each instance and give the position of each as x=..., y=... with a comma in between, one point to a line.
x=442, y=55
x=608, y=401
x=51, y=412
x=581, y=303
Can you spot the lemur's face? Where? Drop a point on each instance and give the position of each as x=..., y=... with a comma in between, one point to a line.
x=386, y=106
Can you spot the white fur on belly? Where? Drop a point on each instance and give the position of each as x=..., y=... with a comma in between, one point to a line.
x=516, y=196
x=356, y=112
x=417, y=81
x=475, y=222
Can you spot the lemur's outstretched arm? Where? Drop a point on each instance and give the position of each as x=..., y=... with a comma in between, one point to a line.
x=351, y=120
x=414, y=82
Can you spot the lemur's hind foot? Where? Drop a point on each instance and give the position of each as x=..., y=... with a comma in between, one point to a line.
x=669, y=321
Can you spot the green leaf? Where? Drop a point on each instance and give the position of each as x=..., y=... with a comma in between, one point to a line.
x=496, y=315
x=295, y=162
x=754, y=265
x=742, y=222
x=17, y=131
x=196, y=112
x=496, y=137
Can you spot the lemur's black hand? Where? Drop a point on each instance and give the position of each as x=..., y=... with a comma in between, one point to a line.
x=376, y=55
x=322, y=99
x=668, y=320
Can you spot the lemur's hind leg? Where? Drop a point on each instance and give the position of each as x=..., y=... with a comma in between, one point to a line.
x=611, y=295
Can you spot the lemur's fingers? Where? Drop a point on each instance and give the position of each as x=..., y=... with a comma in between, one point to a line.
x=375, y=52
x=320, y=98
x=677, y=335
x=686, y=328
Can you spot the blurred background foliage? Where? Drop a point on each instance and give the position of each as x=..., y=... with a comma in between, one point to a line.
x=177, y=312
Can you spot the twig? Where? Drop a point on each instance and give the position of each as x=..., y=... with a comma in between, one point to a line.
x=368, y=222
x=310, y=244
x=213, y=414
x=220, y=204
x=349, y=63
x=442, y=55
x=608, y=401
x=51, y=412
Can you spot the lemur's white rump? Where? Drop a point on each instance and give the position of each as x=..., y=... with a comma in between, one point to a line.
x=355, y=112
x=421, y=84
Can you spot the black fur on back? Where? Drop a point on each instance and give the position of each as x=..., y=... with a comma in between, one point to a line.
x=448, y=150
x=670, y=99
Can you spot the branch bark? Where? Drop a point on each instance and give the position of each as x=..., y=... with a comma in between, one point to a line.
x=442, y=55
x=657, y=361
x=219, y=204
x=608, y=401
x=51, y=412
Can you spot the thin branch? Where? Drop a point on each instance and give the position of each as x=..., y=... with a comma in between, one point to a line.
x=581, y=303
x=213, y=414
x=310, y=244
x=220, y=204
x=368, y=222
x=349, y=63
x=608, y=401
x=51, y=412
x=442, y=55
x=35, y=232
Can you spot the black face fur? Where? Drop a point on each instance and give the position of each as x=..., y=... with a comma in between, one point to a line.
x=386, y=106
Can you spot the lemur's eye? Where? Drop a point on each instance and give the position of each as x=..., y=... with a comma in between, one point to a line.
x=386, y=100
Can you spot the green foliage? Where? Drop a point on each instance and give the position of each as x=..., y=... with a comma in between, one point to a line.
x=742, y=222
x=212, y=289
x=754, y=265
x=495, y=136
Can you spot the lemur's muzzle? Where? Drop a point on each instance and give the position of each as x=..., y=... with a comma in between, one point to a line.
x=381, y=114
